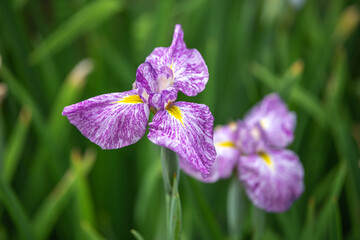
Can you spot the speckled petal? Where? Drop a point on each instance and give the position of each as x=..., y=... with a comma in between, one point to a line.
x=146, y=78
x=187, y=129
x=227, y=156
x=275, y=119
x=112, y=120
x=160, y=100
x=273, y=180
x=190, y=73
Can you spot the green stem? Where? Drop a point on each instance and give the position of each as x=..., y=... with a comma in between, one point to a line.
x=171, y=175
x=235, y=209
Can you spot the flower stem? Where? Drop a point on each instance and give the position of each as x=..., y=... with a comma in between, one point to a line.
x=171, y=175
x=235, y=209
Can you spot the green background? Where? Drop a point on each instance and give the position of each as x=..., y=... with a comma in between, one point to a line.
x=55, y=184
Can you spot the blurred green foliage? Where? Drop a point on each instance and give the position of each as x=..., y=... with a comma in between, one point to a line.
x=55, y=184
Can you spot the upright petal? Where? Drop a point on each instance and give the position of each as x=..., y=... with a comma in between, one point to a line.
x=250, y=138
x=227, y=156
x=275, y=119
x=187, y=129
x=146, y=78
x=112, y=120
x=273, y=179
x=190, y=73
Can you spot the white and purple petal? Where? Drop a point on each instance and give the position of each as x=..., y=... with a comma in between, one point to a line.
x=165, y=97
x=146, y=77
x=190, y=73
x=275, y=119
x=112, y=120
x=187, y=129
x=227, y=156
x=273, y=179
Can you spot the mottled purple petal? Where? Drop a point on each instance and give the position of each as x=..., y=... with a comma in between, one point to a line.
x=161, y=100
x=227, y=156
x=190, y=73
x=275, y=119
x=112, y=120
x=187, y=129
x=146, y=78
x=273, y=180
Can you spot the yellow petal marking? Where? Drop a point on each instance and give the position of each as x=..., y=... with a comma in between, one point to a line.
x=175, y=112
x=225, y=144
x=266, y=158
x=131, y=99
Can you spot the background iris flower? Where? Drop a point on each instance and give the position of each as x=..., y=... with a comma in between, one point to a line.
x=272, y=176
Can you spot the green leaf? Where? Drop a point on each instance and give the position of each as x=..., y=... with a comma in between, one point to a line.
x=54, y=204
x=15, y=145
x=90, y=233
x=136, y=234
x=85, y=20
x=16, y=210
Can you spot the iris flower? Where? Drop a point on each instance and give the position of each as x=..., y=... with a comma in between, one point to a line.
x=272, y=176
x=117, y=120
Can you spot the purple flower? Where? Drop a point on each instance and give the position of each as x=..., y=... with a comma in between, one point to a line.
x=273, y=179
x=226, y=158
x=274, y=119
x=117, y=120
x=272, y=176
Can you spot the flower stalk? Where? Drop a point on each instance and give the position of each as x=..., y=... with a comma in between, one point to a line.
x=171, y=175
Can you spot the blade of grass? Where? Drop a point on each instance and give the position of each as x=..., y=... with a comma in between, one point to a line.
x=89, y=232
x=52, y=206
x=136, y=234
x=325, y=213
x=15, y=145
x=205, y=216
x=85, y=20
x=15, y=210
x=299, y=95
x=309, y=225
x=24, y=98
x=83, y=196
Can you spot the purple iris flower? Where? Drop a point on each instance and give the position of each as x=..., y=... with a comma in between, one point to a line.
x=272, y=176
x=117, y=120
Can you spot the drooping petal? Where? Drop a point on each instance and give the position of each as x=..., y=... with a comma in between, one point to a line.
x=227, y=156
x=273, y=179
x=190, y=73
x=112, y=120
x=187, y=129
x=275, y=119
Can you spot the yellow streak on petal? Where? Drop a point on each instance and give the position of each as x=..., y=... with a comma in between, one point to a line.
x=225, y=144
x=266, y=158
x=131, y=99
x=175, y=112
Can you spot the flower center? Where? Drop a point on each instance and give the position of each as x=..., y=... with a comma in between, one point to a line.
x=164, y=79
